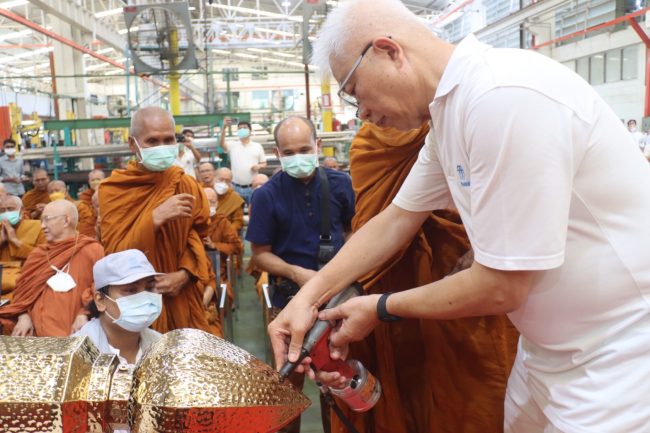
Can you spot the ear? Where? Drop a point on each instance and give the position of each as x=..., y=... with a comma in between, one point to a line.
x=100, y=301
x=276, y=151
x=388, y=46
x=132, y=145
x=319, y=145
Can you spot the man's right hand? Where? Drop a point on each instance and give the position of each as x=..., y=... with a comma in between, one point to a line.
x=227, y=121
x=177, y=206
x=24, y=327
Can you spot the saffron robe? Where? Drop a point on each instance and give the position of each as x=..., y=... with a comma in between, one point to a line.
x=12, y=258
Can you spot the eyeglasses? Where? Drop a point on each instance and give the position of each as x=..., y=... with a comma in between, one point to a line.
x=346, y=97
x=48, y=218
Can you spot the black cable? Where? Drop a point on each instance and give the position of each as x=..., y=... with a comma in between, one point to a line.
x=337, y=410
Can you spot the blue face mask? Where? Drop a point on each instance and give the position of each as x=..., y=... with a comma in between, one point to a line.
x=299, y=165
x=137, y=312
x=244, y=133
x=158, y=158
x=13, y=216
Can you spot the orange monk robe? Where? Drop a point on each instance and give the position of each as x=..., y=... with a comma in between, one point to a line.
x=32, y=198
x=127, y=200
x=437, y=376
x=87, y=219
x=53, y=313
x=227, y=242
x=232, y=206
x=30, y=234
x=87, y=196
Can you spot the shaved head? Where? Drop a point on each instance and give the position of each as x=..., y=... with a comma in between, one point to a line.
x=224, y=175
x=59, y=220
x=331, y=162
x=258, y=180
x=40, y=179
x=96, y=175
x=10, y=203
x=211, y=194
x=57, y=186
x=207, y=173
x=144, y=118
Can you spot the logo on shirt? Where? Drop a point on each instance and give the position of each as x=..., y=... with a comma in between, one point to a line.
x=461, y=175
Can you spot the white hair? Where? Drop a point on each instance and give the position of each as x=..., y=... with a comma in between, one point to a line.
x=348, y=22
x=16, y=200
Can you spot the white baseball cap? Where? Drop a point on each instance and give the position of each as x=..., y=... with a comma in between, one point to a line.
x=122, y=268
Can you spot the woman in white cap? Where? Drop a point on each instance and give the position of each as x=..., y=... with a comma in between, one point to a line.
x=123, y=306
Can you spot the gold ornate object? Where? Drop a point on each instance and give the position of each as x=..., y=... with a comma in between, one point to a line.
x=191, y=381
x=188, y=382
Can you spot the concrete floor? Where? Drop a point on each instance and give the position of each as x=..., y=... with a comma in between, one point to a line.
x=250, y=334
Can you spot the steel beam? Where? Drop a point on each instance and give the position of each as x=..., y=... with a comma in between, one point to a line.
x=124, y=122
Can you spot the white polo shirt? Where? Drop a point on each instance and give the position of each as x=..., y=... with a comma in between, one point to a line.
x=242, y=158
x=546, y=177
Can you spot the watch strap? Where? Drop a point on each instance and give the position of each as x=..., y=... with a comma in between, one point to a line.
x=382, y=313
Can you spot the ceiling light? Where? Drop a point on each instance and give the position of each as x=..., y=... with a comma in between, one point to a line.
x=125, y=31
x=245, y=56
x=227, y=53
x=12, y=4
x=286, y=4
x=8, y=59
x=108, y=13
x=14, y=35
x=257, y=12
x=291, y=56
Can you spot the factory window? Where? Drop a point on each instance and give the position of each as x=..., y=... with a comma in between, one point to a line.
x=613, y=66
x=597, y=69
x=630, y=62
x=582, y=67
x=233, y=72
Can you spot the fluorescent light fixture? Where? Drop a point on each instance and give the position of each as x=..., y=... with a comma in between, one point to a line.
x=125, y=31
x=108, y=13
x=275, y=53
x=258, y=12
x=275, y=32
x=224, y=52
x=257, y=50
x=245, y=56
x=9, y=59
x=286, y=3
x=14, y=35
x=13, y=4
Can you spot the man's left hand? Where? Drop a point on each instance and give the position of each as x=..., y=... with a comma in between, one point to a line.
x=79, y=323
x=172, y=283
x=11, y=233
x=358, y=318
x=255, y=168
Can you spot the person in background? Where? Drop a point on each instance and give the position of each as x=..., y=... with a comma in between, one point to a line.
x=331, y=162
x=35, y=199
x=230, y=203
x=188, y=160
x=11, y=169
x=639, y=137
x=207, y=175
x=124, y=305
x=58, y=190
x=246, y=158
x=95, y=177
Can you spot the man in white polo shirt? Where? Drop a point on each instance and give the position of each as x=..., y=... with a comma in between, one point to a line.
x=246, y=158
x=552, y=191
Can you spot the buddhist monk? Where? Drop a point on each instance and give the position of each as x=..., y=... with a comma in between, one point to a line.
x=49, y=303
x=3, y=190
x=331, y=162
x=437, y=376
x=258, y=180
x=18, y=237
x=207, y=174
x=58, y=190
x=230, y=203
x=98, y=220
x=155, y=207
x=35, y=199
x=87, y=213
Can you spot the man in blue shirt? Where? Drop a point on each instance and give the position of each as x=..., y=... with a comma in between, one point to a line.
x=285, y=221
x=11, y=169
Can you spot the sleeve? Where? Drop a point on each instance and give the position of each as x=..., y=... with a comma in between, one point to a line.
x=261, y=225
x=521, y=170
x=425, y=187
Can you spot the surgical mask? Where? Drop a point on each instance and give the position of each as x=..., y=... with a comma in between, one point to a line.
x=158, y=158
x=13, y=216
x=244, y=133
x=10, y=151
x=213, y=211
x=299, y=165
x=137, y=312
x=221, y=188
x=57, y=196
x=94, y=184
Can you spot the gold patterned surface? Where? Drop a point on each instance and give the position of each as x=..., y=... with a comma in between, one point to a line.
x=191, y=381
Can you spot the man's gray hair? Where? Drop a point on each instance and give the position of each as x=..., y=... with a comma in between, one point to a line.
x=136, y=121
x=16, y=200
x=346, y=23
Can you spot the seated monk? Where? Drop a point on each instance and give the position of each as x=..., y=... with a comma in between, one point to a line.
x=3, y=190
x=98, y=220
x=153, y=206
x=35, y=199
x=207, y=175
x=18, y=237
x=49, y=303
x=223, y=238
x=87, y=214
x=58, y=190
x=229, y=202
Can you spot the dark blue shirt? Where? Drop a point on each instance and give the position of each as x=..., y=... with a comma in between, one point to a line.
x=285, y=213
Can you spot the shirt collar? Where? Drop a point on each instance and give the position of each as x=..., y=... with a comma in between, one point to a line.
x=456, y=67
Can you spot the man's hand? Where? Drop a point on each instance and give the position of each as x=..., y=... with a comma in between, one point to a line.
x=288, y=330
x=10, y=234
x=255, y=168
x=79, y=323
x=301, y=275
x=172, y=283
x=3, y=236
x=177, y=206
x=11, y=180
x=227, y=121
x=208, y=295
x=358, y=318
x=207, y=241
x=24, y=327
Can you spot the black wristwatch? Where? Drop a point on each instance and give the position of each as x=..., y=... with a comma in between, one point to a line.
x=382, y=314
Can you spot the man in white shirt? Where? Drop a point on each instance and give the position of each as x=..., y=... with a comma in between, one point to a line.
x=639, y=136
x=246, y=158
x=553, y=194
x=188, y=160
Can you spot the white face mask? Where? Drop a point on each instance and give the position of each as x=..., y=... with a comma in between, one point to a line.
x=137, y=312
x=221, y=188
x=10, y=151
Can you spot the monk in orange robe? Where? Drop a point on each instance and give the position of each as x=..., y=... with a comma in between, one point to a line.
x=207, y=175
x=229, y=203
x=40, y=306
x=35, y=199
x=95, y=177
x=155, y=207
x=18, y=238
x=87, y=213
x=437, y=376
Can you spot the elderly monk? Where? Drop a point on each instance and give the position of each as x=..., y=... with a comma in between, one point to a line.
x=49, y=303
x=87, y=213
x=35, y=199
x=153, y=206
x=258, y=180
x=3, y=190
x=207, y=174
x=437, y=376
x=331, y=162
x=58, y=190
x=230, y=203
x=18, y=237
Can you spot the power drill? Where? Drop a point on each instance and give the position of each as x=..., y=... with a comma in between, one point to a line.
x=363, y=390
